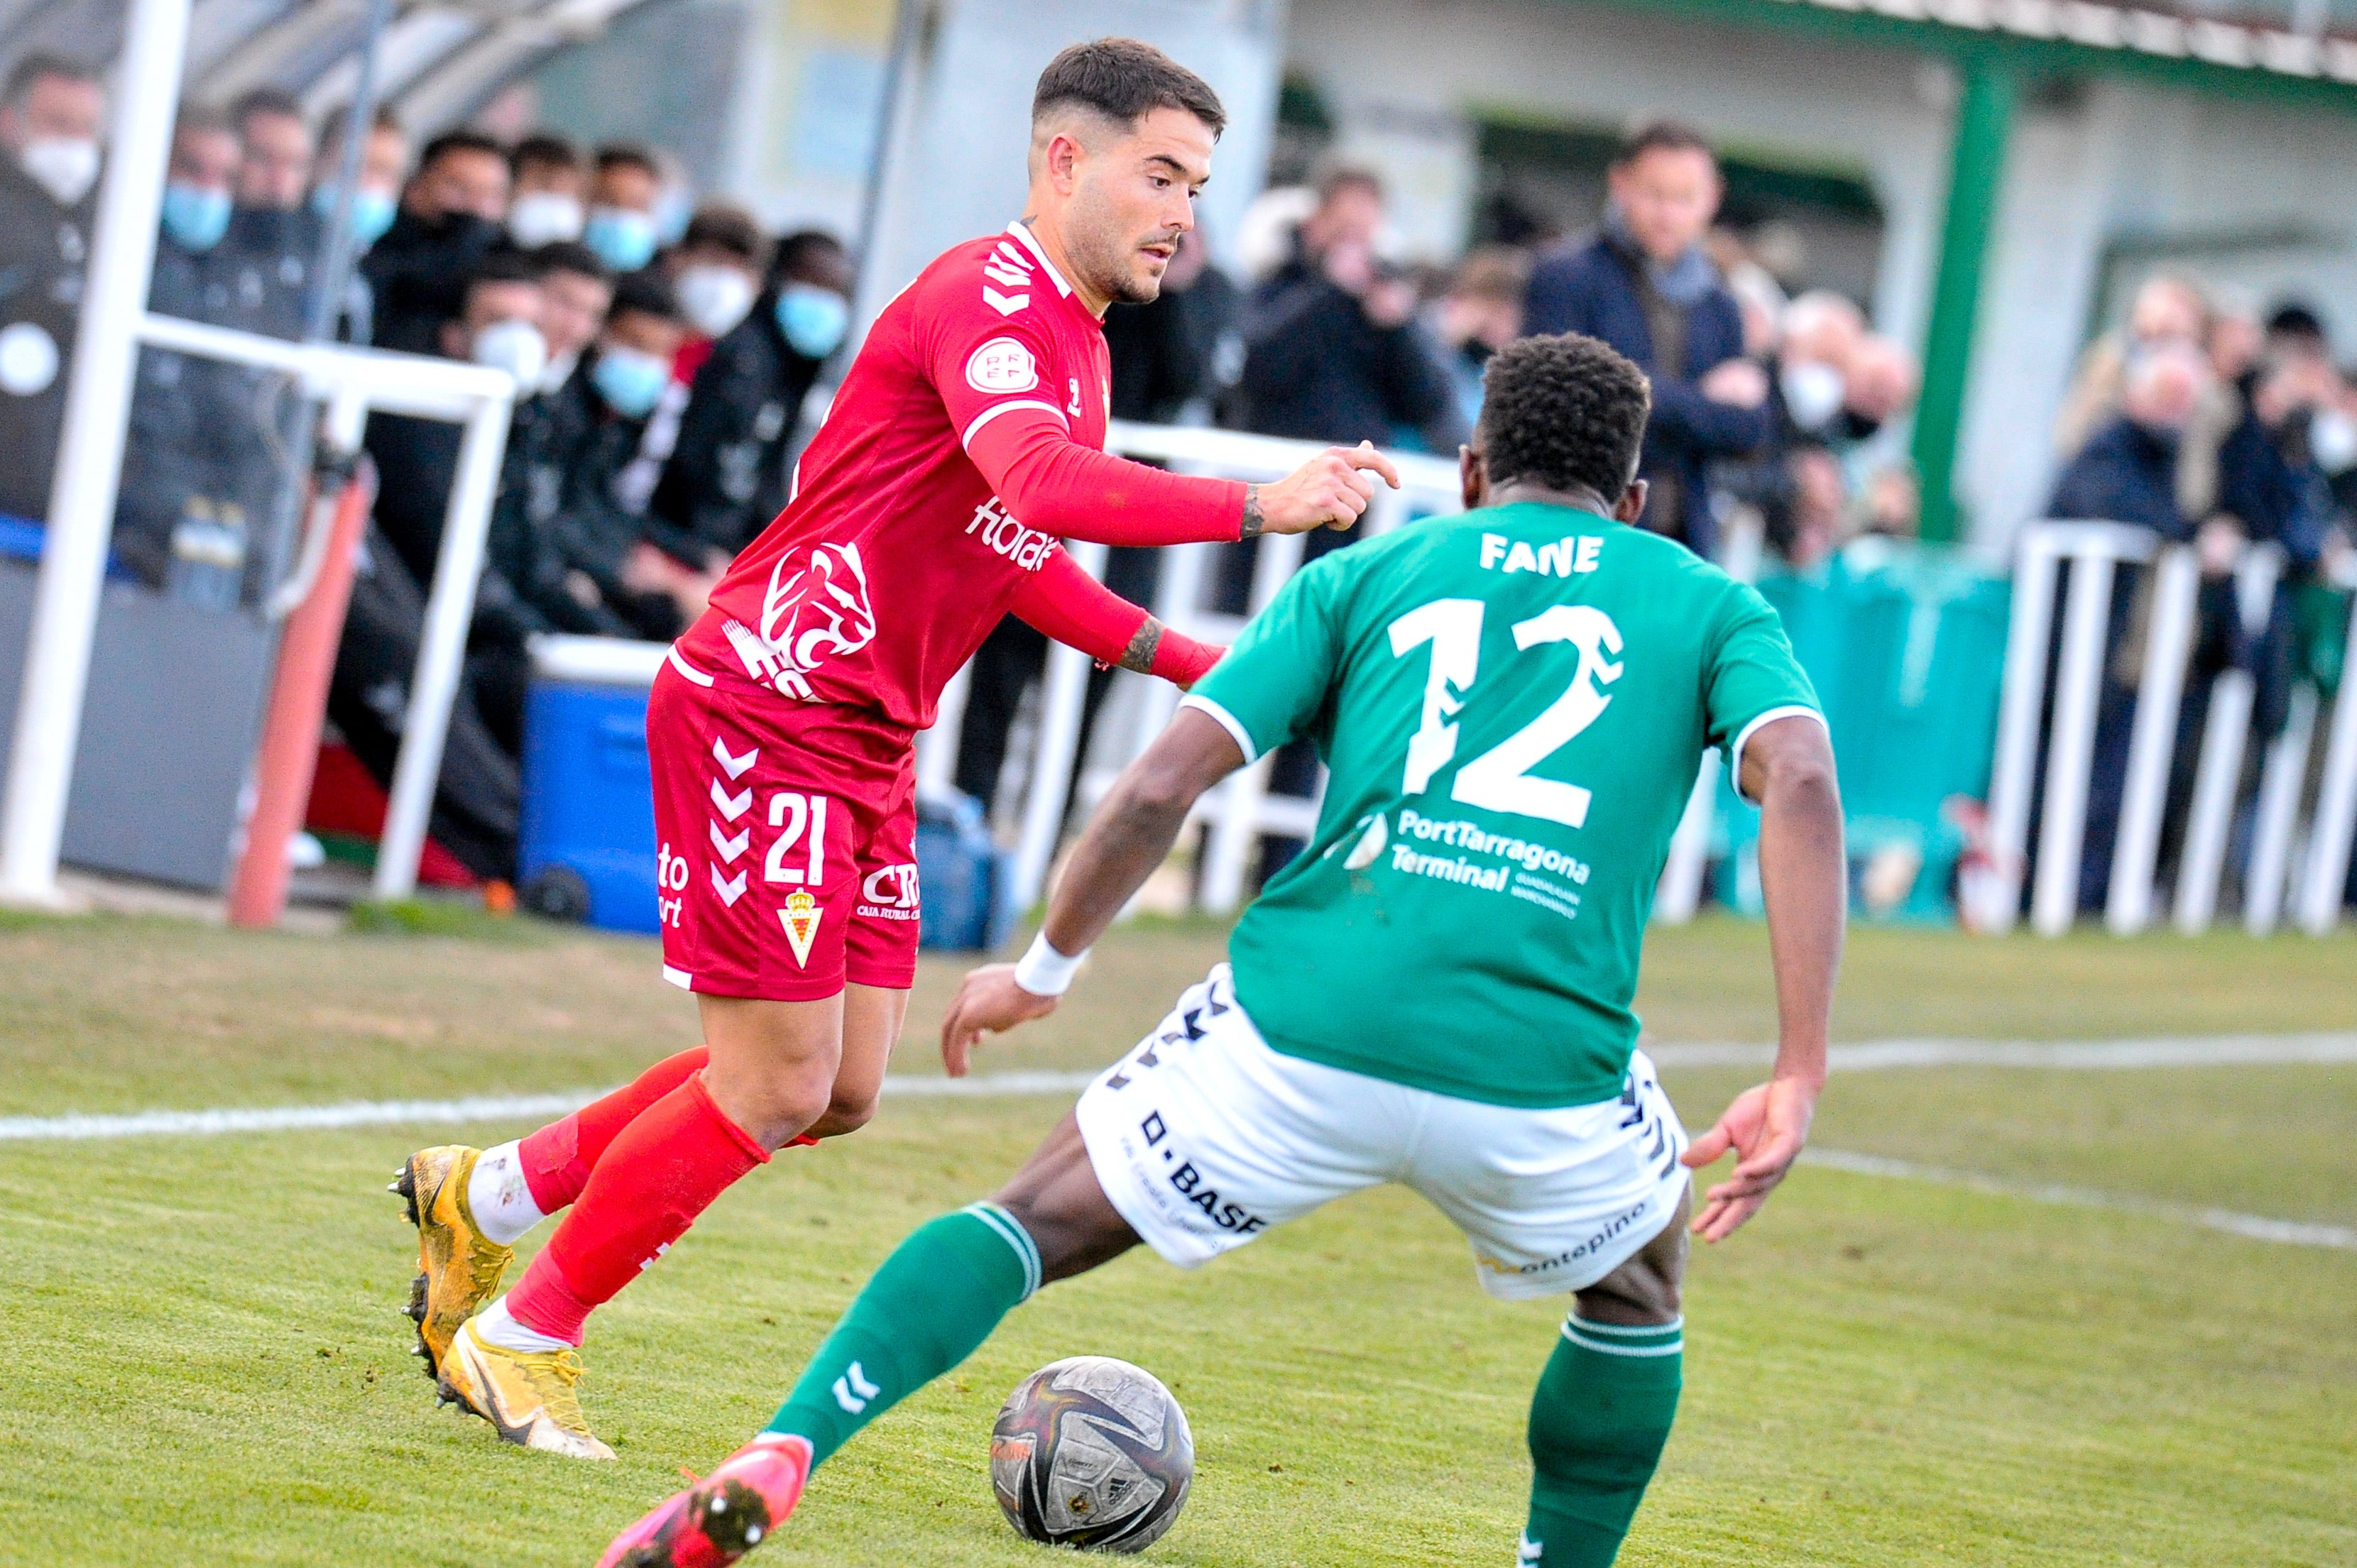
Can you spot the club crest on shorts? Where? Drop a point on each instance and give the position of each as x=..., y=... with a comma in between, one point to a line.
x=800, y=917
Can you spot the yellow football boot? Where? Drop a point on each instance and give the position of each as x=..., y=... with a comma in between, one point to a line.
x=459, y=1267
x=526, y=1394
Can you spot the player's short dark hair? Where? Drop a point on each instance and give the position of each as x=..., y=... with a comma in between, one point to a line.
x=546, y=149
x=1124, y=81
x=725, y=226
x=647, y=292
x=572, y=256
x=628, y=155
x=497, y=268
x=459, y=141
x=505, y=266
x=1661, y=136
x=41, y=64
x=1566, y=412
x=275, y=102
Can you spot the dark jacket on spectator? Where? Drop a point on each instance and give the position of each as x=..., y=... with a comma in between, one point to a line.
x=2123, y=474
x=528, y=585
x=1602, y=288
x=725, y=477
x=417, y=274
x=1165, y=353
x=43, y=250
x=1317, y=369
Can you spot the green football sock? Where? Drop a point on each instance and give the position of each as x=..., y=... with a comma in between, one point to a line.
x=1598, y=1424
x=934, y=1300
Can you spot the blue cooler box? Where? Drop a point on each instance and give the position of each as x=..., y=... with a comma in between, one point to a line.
x=586, y=846
x=586, y=849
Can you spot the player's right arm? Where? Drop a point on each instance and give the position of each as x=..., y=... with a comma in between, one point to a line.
x=1014, y=417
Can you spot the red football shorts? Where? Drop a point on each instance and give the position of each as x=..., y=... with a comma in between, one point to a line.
x=786, y=862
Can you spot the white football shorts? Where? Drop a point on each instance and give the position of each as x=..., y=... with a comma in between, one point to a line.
x=1203, y=1137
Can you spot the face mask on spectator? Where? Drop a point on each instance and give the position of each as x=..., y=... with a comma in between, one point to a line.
x=1812, y=393
x=65, y=166
x=630, y=380
x=539, y=218
x=195, y=218
x=812, y=318
x=624, y=240
x=517, y=348
x=714, y=298
x=2332, y=441
x=372, y=212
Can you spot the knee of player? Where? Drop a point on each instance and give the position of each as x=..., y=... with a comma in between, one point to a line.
x=847, y=1112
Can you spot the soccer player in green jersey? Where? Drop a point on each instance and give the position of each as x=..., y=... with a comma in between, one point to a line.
x=1512, y=703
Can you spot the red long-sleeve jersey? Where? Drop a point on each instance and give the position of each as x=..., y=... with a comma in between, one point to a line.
x=966, y=442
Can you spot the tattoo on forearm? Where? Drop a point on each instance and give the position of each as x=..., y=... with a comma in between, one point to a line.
x=1253, y=522
x=1139, y=654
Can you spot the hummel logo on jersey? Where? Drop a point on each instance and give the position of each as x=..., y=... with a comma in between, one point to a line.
x=729, y=888
x=853, y=1390
x=734, y=765
x=731, y=848
x=1005, y=304
x=731, y=806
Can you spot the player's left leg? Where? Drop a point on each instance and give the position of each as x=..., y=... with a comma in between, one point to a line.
x=1591, y=1201
x=1604, y=1406
x=935, y=1299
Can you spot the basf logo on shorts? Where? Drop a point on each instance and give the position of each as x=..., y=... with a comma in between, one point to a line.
x=1002, y=365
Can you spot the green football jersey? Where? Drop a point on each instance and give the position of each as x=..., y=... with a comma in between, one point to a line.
x=1513, y=704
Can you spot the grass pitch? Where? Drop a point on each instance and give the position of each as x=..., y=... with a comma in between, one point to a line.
x=207, y=1361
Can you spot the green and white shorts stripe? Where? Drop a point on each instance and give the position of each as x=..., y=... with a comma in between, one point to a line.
x=1015, y=1236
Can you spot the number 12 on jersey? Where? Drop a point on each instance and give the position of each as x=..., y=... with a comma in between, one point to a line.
x=1500, y=777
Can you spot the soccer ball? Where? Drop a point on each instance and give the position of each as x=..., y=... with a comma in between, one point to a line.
x=1092, y=1453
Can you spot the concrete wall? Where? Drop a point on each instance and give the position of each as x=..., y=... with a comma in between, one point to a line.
x=957, y=155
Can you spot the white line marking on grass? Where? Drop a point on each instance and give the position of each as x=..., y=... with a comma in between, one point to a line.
x=2187, y=1050
x=475, y=1108
x=2256, y=1227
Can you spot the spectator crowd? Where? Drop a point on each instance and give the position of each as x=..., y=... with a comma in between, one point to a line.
x=664, y=352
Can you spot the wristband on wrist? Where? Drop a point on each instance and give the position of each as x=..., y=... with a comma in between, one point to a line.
x=1044, y=971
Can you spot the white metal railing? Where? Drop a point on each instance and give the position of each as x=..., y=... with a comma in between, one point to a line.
x=2096, y=553
x=353, y=382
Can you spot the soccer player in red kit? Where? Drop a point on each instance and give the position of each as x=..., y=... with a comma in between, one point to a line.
x=965, y=444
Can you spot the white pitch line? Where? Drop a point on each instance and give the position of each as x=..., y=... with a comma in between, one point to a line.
x=2183, y=1050
x=475, y=1108
x=2256, y=1227
x=2191, y=1051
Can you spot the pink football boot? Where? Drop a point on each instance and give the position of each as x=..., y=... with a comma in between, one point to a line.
x=723, y=1516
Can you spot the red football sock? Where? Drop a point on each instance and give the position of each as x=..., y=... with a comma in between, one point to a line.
x=558, y=1158
x=657, y=1176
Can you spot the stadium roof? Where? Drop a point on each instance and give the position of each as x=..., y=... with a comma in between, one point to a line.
x=441, y=59
x=2307, y=48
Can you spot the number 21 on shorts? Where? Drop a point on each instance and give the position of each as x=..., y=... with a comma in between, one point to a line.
x=1500, y=777
x=800, y=818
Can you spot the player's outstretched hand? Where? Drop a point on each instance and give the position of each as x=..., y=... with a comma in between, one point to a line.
x=1765, y=1126
x=987, y=1001
x=1330, y=490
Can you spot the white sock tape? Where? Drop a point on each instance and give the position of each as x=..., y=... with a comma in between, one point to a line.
x=1044, y=971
